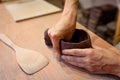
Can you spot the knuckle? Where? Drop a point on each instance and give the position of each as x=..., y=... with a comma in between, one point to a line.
x=75, y=52
x=87, y=61
x=53, y=34
x=91, y=52
x=75, y=59
x=91, y=69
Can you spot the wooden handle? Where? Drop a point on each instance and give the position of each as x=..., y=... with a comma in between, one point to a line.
x=7, y=41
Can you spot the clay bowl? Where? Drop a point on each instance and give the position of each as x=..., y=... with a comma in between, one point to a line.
x=80, y=40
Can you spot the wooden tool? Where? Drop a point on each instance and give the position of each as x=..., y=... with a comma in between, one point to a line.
x=30, y=61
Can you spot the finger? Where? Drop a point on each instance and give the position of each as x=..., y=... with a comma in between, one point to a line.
x=76, y=52
x=55, y=41
x=56, y=44
x=77, y=61
x=77, y=64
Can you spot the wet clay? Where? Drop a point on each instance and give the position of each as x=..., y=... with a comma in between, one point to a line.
x=80, y=39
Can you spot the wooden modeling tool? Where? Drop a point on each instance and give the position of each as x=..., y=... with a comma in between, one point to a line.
x=30, y=61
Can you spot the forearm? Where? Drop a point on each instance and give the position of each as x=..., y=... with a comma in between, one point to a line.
x=70, y=11
x=112, y=66
x=65, y=27
x=70, y=5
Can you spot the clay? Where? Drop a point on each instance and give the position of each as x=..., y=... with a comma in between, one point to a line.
x=80, y=39
x=47, y=39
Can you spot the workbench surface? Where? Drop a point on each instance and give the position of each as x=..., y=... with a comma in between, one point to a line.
x=29, y=34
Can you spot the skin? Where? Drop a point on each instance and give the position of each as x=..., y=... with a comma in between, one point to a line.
x=66, y=25
x=96, y=60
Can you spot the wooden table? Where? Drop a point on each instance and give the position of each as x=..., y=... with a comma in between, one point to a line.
x=30, y=34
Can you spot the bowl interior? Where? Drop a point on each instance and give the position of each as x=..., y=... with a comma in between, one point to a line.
x=79, y=35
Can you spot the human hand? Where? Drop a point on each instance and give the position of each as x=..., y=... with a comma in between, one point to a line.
x=96, y=60
x=65, y=27
x=62, y=30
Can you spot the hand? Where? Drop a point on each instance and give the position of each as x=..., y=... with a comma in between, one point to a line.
x=65, y=27
x=62, y=30
x=96, y=60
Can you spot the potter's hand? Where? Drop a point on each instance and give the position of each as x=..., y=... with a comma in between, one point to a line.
x=65, y=27
x=62, y=30
x=94, y=60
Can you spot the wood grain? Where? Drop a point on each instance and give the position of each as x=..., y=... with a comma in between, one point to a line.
x=29, y=34
x=23, y=10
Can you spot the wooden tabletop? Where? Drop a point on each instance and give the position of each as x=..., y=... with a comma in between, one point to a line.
x=29, y=34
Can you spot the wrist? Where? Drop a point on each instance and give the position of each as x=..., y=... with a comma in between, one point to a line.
x=116, y=70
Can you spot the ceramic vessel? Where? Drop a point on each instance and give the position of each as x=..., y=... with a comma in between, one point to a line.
x=80, y=39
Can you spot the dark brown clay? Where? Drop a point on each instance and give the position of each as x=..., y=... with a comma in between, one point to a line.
x=47, y=39
x=80, y=39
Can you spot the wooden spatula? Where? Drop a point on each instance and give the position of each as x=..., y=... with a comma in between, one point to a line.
x=30, y=61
